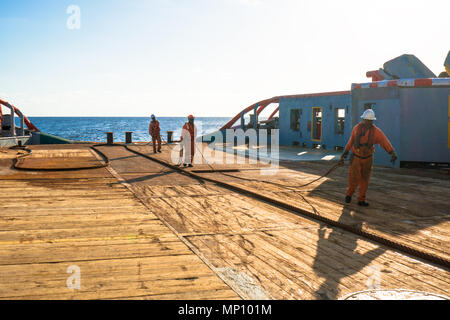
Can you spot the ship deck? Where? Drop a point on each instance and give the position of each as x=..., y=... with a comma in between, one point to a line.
x=138, y=229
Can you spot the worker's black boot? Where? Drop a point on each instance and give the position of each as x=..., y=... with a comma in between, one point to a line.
x=348, y=199
x=363, y=204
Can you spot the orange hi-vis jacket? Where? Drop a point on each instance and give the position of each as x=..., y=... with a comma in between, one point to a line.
x=363, y=139
x=153, y=128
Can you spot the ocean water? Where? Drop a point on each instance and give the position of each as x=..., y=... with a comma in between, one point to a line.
x=95, y=128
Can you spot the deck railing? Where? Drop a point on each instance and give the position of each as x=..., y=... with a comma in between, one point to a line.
x=23, y=120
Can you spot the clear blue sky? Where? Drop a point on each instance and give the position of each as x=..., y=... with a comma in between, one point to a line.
x=205, y=57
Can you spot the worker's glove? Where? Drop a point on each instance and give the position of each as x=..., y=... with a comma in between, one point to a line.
x=344, y=155
x=393, y=157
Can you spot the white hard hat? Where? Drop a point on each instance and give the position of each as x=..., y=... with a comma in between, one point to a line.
x=368, y=115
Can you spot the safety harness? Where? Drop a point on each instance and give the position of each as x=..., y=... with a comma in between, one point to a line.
x=361, y=132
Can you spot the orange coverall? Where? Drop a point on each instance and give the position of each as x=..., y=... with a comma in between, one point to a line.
x=361, y=144
x=189, y=130
x=154, y=130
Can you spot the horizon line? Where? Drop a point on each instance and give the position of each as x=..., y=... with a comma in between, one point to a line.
x=125, y=117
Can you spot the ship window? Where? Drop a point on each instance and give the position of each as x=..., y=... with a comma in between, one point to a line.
x=339, y=120
x=295, y=119
x=316, y=124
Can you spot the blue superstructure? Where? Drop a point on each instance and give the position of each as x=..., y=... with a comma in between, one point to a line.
x=414, y=114
x=315, y=120
x=411, y=104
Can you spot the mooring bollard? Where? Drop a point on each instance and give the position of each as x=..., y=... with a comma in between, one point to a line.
x=128, y=138
x=169, y=136
x=109, y=138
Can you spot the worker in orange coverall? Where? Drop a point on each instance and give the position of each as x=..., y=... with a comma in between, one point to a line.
x=154, y=131
x=364, y=136
x=188, y=135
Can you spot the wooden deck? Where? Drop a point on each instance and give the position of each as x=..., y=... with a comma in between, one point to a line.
x=50, y=221
x=141, y=230
x=408, y=206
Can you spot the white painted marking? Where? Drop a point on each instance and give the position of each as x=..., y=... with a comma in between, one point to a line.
x=441, y=82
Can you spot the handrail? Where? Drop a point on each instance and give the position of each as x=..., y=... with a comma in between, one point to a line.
x=28, y=123
x=274, y=112
x=264, y=103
